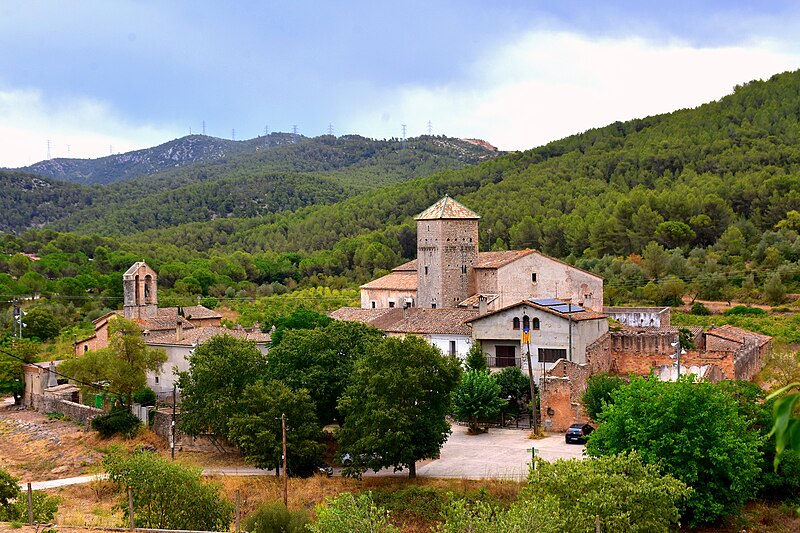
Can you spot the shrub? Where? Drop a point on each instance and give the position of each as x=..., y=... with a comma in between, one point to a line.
x=276, y=518
x=14, y=504
x=699, y=308
x=146, y=396
x=477, y=399
x=424, y=503
x=167, y=495
x=745, y=310
x=351, y=514
x=117, y=421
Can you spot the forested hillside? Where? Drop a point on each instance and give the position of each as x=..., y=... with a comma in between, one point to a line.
x=245, y=183
x=704, y=202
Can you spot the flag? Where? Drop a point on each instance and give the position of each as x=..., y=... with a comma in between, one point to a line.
x=526, y=335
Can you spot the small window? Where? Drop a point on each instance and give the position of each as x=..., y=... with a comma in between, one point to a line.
x=85, y=348
x=463, y=269
x=156, y=380
x=533, y=277
x=426, y=271
x=374, y=305
x=391, y=303
x=515, y=322
x=551, y=355
x=526, y=323
x=452, y=347
x=535, y=323
x=433, y=306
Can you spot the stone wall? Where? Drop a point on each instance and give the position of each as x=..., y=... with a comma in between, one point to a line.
x=75, y=411
x=559, y=411
x=747, y=361
x=162, y=426
x=598, y=354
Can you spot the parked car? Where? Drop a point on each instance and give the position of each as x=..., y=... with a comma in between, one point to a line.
x=577, y=433
x=324, y=468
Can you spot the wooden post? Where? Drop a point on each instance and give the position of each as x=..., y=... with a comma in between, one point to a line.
x=130, y=509
x=238, y=509
x=285, y=478
x=597, y=523
x=534, y=422
x=30, y=505
x=174, y=401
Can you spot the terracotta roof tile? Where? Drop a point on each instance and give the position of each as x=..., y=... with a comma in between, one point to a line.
x=190, y=311
x=446, y=208
x=445, y=321
x=732, y=333
x=403, y=281
x=411, y=266
x=357, y=314
x=203, y=334
x=163, y=323
x=498, y=259
x=576, y=316
x=472, y=301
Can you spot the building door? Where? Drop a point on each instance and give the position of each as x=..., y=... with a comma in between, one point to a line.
x=505, y=355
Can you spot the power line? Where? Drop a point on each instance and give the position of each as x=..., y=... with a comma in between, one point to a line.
x=56, y=372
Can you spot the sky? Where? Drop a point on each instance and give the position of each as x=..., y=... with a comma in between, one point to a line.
x=86, y=78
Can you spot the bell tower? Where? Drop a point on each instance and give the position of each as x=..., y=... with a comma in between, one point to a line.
x=447, y=253
x=140, y=286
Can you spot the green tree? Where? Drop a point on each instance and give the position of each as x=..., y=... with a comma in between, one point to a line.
x=300, y=318
x=167, y=495
x=211, y=390
x=256, y=428
x=396, y=403
x=123, y=365
x=476, y=359
x=14, y=354
x=14, y=506
x=347, y=513
x=513, y=383
x=694, y=432
x=321, y=361
x=41, y=323
x=598, y=393
x=774, y=289
x=477, y=400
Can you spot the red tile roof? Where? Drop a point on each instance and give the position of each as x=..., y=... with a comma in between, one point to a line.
x=498, y=259
x=732, y=333
x=447, y=208
x=415, y=320
x=403, y=281
x=203, y=334
x=575, y=316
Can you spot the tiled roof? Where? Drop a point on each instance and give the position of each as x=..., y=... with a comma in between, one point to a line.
x=134, y=267
x=404, y=281
x=472, y=301
x=732, y=333
x=420, y=321
x=695, y=330
x=574, y=316
x=415, y=320
x=411, y=266
x=190, y=311
x=357, y=314
x=498, y=259
x=203, y=334
x=446, y=208
x=163, y=323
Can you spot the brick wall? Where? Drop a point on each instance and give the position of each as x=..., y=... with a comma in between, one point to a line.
x=559, y=410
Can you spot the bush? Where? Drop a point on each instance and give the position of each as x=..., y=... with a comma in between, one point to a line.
x=167, y=495
x=424, y=503
x=14, y=504
x=146, y=396
x=276, y=518
x=745, y=310
x=117, y=421
x=699, y=308
x=351, y=514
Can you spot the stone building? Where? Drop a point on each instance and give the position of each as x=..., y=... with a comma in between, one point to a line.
x=449, y=271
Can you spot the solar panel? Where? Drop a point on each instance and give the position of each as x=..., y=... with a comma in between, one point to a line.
x=566, y=308
x=547, y=302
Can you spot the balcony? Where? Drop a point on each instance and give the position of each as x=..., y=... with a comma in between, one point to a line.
x=503, y=361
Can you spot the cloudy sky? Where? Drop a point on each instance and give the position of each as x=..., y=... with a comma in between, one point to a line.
x=93, y=77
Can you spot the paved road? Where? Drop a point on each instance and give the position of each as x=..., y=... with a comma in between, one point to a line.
x=501, y=453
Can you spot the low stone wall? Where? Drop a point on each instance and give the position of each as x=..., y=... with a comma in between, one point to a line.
x=75, y=411
x=162, y=426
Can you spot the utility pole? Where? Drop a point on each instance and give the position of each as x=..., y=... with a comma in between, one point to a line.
x=534, y=409
x=330, y=129
x=430, y=128
x=285, y=478
x=569, y=317
x=204, y=127
x=294, y=133
x=174, y=402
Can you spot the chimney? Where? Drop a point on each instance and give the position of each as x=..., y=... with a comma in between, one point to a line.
x=179, y=331
x=482, y=300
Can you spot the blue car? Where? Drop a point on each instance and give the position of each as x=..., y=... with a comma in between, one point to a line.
x=577, y=433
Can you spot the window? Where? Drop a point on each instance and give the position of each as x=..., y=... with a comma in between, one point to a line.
x=391, y=303
x=533, y=277
x=551, y=355
x=463, y=269
x=85, y=348
x=535, y=323
x=526, y=323
x=156, y=380
x=452, y=347
x=374, y=305
x=433, y=305
x=516, y=322
x=426, y=271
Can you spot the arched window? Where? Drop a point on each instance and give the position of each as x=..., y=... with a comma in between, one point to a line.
x=516, y=322
x=535, y=323
x=526, y=322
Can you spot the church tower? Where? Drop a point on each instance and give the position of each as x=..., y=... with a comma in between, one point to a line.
x=447, y=253
x=140, y=286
